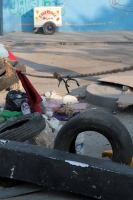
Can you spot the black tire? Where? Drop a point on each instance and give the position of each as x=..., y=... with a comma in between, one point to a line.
x=22, y=128
x=103, y=123
x=49, y=28
x=35, y=30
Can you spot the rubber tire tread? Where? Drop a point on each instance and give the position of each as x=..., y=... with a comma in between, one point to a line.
x=103, y=123
x=45, y=30
x=32, y=125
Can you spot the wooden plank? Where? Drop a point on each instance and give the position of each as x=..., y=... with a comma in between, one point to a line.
x=64, y=171
x=122, y=80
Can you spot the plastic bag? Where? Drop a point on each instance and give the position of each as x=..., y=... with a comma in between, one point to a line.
x=14, y=99
x=6, y=115
x=45, y=138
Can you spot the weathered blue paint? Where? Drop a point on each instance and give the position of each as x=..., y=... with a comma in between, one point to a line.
x=78, y=15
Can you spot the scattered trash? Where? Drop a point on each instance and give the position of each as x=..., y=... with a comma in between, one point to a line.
x=54, y=122
x=43, y=100
x=69, y=99
x=44, y=116
x=14, y=100
x=79, y=144
x=126, y=99
x=49, y=93
x=65, y=110
x=5, y=115
x=25, y=108
x=49, y=112
x=79, y=106
x=56, y=98
x=125, y=88
x=61, y=117
x=45, y=138
x=53, y=106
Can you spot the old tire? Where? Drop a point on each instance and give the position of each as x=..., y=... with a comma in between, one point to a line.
x=49, y=28
x=6, y=82
x=15, y=86
x=22, y=128
x=103, y=123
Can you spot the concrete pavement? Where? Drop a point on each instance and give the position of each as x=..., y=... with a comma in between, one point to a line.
x=69, y=59
x=23, y=38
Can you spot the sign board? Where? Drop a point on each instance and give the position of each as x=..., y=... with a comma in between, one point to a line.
x=47, y=13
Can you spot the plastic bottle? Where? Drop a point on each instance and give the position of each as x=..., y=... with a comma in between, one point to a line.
x=25, y=108
x=49, y=93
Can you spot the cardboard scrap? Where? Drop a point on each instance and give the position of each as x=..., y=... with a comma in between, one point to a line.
x=122, y=80
x=126, y=99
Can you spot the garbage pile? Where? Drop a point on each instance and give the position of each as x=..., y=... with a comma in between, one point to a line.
x=27, y=115
x=58, y=110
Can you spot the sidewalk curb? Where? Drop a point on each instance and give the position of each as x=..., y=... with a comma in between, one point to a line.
x=64, y=43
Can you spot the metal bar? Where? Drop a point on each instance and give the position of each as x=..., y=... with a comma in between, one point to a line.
x=60, y=170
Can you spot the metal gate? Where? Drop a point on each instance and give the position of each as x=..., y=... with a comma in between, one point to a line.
x=1, y=17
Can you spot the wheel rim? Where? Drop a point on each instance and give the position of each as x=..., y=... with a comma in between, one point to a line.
x=50, y=28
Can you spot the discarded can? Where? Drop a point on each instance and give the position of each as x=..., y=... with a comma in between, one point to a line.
x=25, y=108
x=79, y=144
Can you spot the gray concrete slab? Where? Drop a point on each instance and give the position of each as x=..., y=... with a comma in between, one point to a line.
x=104, y=95
x=70, y=37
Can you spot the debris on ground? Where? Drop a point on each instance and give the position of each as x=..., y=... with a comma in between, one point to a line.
x=45, y=138
x=51, y=106
x=58, y=109
x=126, y=99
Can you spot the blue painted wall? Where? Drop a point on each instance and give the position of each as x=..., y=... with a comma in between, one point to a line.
x=78, y=15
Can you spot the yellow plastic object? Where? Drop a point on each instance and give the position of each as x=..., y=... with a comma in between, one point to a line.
x=108, y=153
